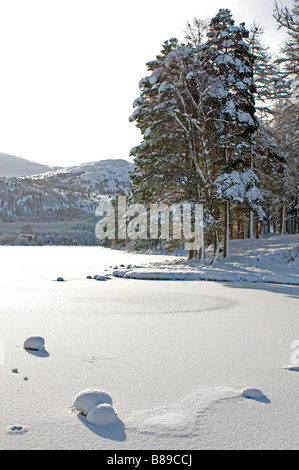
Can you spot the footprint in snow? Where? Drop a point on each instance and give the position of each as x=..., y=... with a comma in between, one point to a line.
x=92, y=360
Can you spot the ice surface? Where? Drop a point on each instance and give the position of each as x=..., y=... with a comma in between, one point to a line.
x=174, y=355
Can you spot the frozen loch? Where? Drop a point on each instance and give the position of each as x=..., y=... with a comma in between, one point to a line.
x=135, y=363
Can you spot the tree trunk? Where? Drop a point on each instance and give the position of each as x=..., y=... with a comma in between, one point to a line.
x=268, y=221
x=192, y=254
x=251, y=235
x=226, y=252
x=216, y=247
x=250, y=232
x=282, y=220
x=202, y=250
x=226, y=248
x=257, y=229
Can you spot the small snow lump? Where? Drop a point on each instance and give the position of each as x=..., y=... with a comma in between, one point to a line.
x=101, y=415
x=250, y=392
x=36, y=343
x=87, y=399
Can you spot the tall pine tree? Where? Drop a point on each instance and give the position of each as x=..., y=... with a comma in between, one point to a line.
x=196, y=113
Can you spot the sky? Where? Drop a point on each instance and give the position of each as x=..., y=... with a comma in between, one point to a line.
x=69, y=69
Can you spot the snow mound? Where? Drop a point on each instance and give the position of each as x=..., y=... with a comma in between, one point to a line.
x=187, y=418
x=101, y=415
x=250, y=392
x=98, y=277
x=285, y=255
x=36, y=343
x=183, y=419
x=293, y=255
x=87, y=399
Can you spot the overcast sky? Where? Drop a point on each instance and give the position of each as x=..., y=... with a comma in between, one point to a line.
x=70, y=69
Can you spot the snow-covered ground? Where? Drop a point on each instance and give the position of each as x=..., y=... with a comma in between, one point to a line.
x=175, y=357
x=273, y=259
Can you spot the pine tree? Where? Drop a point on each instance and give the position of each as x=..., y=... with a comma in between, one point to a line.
x=196, y=113
x=168, y=162
x=270, y=83
x=163, y=148
x=286, y=122
x=286, y=129
x=231, y=64
x=289, y=19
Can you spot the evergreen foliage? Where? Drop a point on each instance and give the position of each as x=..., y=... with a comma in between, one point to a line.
x=196, y=112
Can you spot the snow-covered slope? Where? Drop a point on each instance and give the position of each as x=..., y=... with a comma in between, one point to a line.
x=24, y=200
x=63, y=194
x=101, y=177
x=17, y=166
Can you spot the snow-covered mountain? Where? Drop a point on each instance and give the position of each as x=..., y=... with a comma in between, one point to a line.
x=102, y=177
x=62, y=194
x=16, y=166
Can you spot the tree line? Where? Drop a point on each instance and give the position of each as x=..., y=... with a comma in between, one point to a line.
x=219, y=122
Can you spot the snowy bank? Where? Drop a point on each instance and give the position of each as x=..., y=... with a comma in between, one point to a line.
x=273, y=259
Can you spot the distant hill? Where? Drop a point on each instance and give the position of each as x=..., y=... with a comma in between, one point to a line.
x=16, y=166
x=59, y=204
x=101, y=177
x=63, y=194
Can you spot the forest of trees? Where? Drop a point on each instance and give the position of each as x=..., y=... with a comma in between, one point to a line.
x=220, y=126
